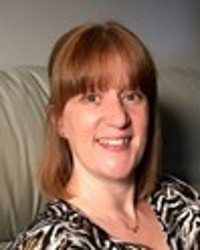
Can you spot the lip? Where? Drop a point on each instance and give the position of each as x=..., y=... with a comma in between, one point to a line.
x=114, y=143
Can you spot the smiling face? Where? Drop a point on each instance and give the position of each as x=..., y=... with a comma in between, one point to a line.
x=93, y=70
x=106, y=129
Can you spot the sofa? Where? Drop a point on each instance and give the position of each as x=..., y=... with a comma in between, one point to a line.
x=23, y=97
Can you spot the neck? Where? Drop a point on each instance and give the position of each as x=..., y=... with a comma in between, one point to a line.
x=106, y=195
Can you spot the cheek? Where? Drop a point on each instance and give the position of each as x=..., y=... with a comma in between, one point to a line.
x=80, y=124
x=140, y=121
x=144, y=124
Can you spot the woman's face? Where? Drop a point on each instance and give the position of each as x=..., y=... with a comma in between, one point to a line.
x=106, y=130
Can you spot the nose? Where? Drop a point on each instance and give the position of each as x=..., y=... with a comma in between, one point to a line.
x=116, y=115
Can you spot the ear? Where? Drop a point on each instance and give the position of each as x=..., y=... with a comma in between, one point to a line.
x=60, y=127
x=56, y=121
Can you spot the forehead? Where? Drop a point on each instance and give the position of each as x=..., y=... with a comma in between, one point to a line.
x=113, y=71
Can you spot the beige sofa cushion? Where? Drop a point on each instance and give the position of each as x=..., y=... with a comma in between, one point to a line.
x=23, y=96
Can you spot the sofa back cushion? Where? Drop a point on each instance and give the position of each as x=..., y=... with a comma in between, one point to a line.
x=23, y=97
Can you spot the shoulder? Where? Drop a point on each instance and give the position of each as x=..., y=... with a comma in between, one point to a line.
x=170, y=187
x=177, y=205
x=56, y=227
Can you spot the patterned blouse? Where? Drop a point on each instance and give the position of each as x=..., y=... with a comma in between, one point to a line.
x=61, y=226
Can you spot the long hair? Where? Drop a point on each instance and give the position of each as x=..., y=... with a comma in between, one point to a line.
x=78, y=61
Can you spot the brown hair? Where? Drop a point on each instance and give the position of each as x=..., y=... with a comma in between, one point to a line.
x=79, y=60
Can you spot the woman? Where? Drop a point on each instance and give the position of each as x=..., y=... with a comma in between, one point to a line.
x=102, y=160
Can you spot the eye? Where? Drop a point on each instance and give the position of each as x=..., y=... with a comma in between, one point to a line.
x=132, y=96
x=91, y=98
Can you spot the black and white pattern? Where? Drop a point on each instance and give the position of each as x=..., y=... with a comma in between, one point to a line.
x=177, y=207
x=61, y=226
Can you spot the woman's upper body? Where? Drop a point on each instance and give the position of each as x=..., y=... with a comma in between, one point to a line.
x=64, y=226
x=103, y=150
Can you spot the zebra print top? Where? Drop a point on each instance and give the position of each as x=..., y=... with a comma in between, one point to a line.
x=61, y=226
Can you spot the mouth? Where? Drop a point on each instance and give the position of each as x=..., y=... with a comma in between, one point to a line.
x=115, y=143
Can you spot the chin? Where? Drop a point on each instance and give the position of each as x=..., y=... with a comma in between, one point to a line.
x=119, y=173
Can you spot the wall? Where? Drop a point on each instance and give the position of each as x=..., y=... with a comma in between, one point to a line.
x=29, y=28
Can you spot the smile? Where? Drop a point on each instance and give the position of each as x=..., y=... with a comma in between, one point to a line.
x=114, y=142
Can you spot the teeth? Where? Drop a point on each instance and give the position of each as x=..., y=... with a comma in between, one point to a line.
x=114, y=142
